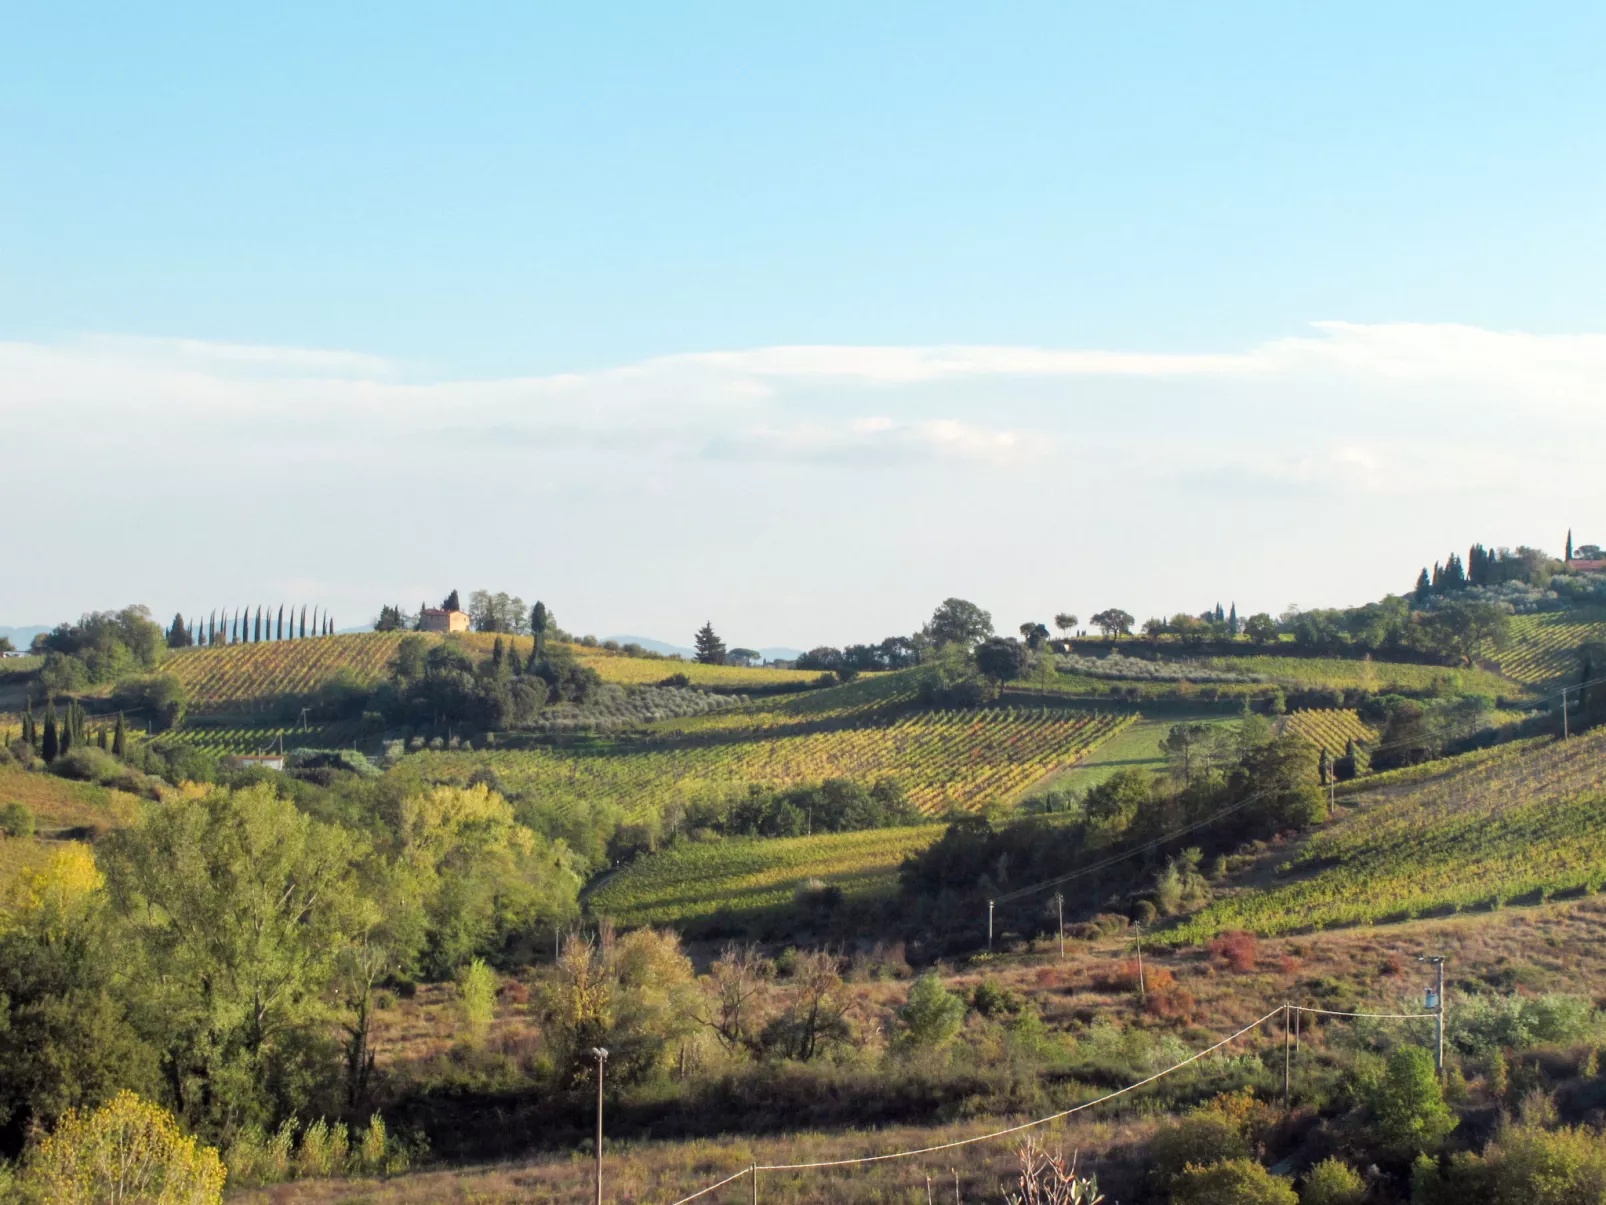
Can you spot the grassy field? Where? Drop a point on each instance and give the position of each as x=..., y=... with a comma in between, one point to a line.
x=56, y=804
x=1528, y=822
x=1380, y=676
x=945, y=759
x=1544, y=648
x=749, y=874
x=1136, y=746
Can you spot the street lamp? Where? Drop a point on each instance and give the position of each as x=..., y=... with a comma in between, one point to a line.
x=602, y=1057
x=1438, y=1008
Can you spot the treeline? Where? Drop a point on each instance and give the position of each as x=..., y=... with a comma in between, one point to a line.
x=1487, y=567
x=244, y=628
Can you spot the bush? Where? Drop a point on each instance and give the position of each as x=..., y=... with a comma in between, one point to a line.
x=88, y=764
x=932, y=1017
x=1239, y=949
x=1200, y=1138
x=1333, y=1182
x=992, y=1000
x=1232, y=1182
x=476, y=991
x=16, y=820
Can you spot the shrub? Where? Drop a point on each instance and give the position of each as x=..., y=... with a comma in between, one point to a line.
x=16, y=820
x=1240, y=950
x=1200, y=1138
x=992, y=1000
x=932, y=1017
x=476, y=991
x=1333, y=1182
x=1232, y=1182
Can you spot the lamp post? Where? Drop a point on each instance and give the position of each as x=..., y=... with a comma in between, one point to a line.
x=602, y=1057
x=1438, y=1009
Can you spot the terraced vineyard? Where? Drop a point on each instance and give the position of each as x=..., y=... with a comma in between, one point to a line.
x=1381, y=676
x=263, y=738
x=1521, y=824
x=698, y=880
x=1544, y=648
x=944, y=760
x=254, y=677
x=1331, y=729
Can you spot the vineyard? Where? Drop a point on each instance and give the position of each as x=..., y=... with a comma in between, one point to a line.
x=742, y=875
x=264, y=738
x=1544, y=648
x=255, y=677
x=1520, y=825
x=1330, y=729
x=944, y=760
x=1382, y=677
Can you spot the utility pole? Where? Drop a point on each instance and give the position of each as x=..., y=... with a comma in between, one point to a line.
x=602, y=1057
x=1142, y=991
x=989, y=926
x=1564, y=733
x=1288, y=1053
x=1059, y=911
x=1438, y=1009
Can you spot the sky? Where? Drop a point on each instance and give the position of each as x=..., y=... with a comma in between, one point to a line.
x=797, y=319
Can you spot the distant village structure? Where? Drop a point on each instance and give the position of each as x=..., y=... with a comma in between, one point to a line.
x=442, y=619
x=1586, y=558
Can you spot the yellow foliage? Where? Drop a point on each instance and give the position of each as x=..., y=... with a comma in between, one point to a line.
x=128, y=1150
x=445, y=816
x=53, y=892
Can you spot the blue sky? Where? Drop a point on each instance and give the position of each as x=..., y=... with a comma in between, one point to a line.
x=346, y=259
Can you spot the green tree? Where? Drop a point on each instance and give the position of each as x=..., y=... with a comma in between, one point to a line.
x=1407, y=1106
x=1065, y=621
x=128, y=1150
x=1261, y=628
x=956, y=621
x=177, y=636
x=16, y=820
x=540, y=620
x=1113, y=622
x=120, y=738
x=1333, y=1182
x=710, y=648
x=476, y=995
x=239, y=907
x=50, y=746
x=1114, y=803
x=933, y=1016
x=1000, y=659
x=1232, y=1182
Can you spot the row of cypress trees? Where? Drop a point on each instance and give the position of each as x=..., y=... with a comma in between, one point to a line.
x=246, y=629
x=59, y=734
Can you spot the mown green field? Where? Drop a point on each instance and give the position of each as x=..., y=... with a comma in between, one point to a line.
x=1525, y=822
x=696, y=880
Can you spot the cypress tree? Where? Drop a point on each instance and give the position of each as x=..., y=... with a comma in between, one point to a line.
x=1424, y=586
x=1232, y=620
x=314, y=621
x=303, y=621
x=50, y=747
x=30, y=726
x=258, y=637
x=279, y=631
x=1569, y=543
x=120, y=738
x=100, y=738
x=538, y=622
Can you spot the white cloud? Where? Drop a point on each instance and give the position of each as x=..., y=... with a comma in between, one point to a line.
x=1275, y=469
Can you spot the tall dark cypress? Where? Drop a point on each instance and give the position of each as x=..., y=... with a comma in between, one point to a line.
x=303, y=621
x=120, y=738
x=30, y=726
x=1569, y=543
x=50, y=747
x=279, y=630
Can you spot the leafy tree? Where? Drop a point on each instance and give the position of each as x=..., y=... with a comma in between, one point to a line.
x=16, y=820
x=1113, y=622
x=239, y=906
x=476, y=994
x=1457, y=630
x=710, y=648
x=1261, y=628
x=126, y=1150
x=1001, y=659
x=1035, y=635
x=1065, y=621
x=390, y=620
x=1333, y=1182
x=1232, y=1182
x=1115, y=802
x=956, y=621
x=6, y=645
x=745, y=656
x=1407, y=1106
x=816, y=1016
x=161, y=696
x=933, y=1016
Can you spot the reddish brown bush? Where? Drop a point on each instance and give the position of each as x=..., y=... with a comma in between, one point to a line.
x=1238, y=949
x=513, y=992
x=1170, y=1003
x=1288, y=964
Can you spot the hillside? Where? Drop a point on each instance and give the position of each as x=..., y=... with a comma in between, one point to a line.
x=1522, y=825
x=255, y=677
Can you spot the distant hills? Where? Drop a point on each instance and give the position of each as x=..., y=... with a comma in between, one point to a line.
x=23, y=637
x=669, y=650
